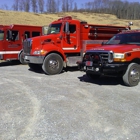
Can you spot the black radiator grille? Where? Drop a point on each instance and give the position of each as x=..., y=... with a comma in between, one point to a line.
x=27, y=46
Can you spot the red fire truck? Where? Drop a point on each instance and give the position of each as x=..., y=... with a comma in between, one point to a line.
x=65, y=43
x=120, y=56
x=11, y=39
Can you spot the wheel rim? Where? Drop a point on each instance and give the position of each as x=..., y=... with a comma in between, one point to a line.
x=134, y=75
x=21, y=58
x=53, y=64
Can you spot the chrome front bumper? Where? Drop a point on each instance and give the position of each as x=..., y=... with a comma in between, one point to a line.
x=34, y=59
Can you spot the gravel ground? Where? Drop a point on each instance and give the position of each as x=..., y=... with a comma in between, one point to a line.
x=68, y=106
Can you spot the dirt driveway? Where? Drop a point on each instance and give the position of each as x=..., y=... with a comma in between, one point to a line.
x=68, y=106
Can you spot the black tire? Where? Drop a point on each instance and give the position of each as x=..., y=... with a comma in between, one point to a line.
x=132, y=75
x=21, y=58
x=53, y=64
x=92, y=76
x=34, y=67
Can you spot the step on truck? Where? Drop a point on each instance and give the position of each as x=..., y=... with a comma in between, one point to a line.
x=11, y=39
x=66, y=41
x=120, y=56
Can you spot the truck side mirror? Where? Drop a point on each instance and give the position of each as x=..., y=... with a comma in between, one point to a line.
x=67, y=28
x=103, y=43
x=44, y=30
x=26, y=36
x=9, y=35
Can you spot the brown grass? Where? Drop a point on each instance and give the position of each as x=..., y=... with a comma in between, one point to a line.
x=12, y=17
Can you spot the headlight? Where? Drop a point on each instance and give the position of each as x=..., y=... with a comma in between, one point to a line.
x=36, y=52
x=40, y=52
x=119, y=57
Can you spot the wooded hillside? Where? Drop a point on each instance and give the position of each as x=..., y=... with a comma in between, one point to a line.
x=123, y=9
x=28, y=18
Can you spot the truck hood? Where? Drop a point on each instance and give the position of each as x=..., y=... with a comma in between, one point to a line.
x=40, y=42
x=119, y=48
x=45, y=38
x=41, y=37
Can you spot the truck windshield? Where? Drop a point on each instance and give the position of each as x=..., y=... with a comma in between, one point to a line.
x=126, y=38
x=1, y=35
x=54, y=28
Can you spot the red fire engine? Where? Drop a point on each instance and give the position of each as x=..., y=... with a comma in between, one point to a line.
x=65, y=43
x=120, y=56
x=11, y=39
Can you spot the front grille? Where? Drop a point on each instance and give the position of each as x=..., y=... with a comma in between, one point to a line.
x=27, y=46
x=98, y=57
x=104, y=57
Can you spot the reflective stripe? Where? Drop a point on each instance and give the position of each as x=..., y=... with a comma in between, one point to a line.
x=69, y=48
x=9, y=52
x=93, y=41
x=85, y=42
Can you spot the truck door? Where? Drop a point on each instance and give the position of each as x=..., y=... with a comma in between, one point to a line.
x=14, y=44
x=70, y=40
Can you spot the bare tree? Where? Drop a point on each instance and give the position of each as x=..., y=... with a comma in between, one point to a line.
x=67, y=5
x=16, y=5
x=63, y=5
x=4, y=7
x=41, y=5
x=57, y=5
x=51, y=6
x=27, y=5
x=34, y=6
x=71, y=3
x=48, y=5
x=21, y=5
x=75, y=7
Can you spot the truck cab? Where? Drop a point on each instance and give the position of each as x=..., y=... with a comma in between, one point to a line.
x=120, y=56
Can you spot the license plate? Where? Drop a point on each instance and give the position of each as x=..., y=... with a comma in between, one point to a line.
x=89, y=63
x=90, y=68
